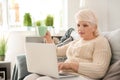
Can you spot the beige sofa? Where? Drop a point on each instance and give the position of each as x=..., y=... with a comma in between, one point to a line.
x=20, y=70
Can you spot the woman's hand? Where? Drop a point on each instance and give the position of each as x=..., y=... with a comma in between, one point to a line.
x=63, y=66
x=48, y=37
x=68, y=66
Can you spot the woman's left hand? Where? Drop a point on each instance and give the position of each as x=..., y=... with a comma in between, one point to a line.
x=68, y=66
x=48, y=37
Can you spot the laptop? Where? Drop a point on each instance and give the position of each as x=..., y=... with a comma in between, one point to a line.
x=41, y=59
x=35, y=39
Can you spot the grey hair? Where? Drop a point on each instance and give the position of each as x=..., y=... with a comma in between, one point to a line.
x=89, y=16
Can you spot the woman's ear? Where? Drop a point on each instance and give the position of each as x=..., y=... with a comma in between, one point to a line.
x=94, y=28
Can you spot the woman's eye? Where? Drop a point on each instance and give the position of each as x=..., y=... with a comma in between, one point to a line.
x=85, y=25
x=78, y=25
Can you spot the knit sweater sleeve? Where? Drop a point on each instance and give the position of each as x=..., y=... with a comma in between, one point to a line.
x=101, y=59
x=61, y=51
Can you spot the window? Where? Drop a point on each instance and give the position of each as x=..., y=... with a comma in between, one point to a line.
x=3, y=14
x=38, y=9
x=0, y=13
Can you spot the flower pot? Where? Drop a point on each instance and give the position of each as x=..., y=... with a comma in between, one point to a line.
x=2, y=58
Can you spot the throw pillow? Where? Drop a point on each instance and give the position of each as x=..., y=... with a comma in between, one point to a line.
x=113, y=72
x=65, y=42
x=22, y=67
x=67, y=34
x=114, y=40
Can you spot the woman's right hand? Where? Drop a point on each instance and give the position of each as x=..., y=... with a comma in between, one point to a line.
x=48, y=37
x=68, y=66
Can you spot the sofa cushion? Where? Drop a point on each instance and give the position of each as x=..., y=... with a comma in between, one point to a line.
x=114, y=40
x=113, y=72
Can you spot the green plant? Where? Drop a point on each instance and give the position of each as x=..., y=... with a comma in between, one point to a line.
x=49, y=21
x=3, y=44
x=27, y=20
x=38, y=23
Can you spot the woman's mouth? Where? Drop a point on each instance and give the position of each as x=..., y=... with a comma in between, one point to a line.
x=81, y=33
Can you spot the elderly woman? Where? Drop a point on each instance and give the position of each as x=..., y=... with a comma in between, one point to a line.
x=88, y=56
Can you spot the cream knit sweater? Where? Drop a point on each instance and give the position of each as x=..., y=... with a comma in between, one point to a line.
x=93, y=56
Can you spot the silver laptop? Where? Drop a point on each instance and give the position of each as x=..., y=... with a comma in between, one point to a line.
x=41, y=58
x=35, y=39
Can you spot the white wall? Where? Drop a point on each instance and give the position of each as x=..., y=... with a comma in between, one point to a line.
x=100, y=8
x=114, y=14
x=72, y=8
x=108, y=12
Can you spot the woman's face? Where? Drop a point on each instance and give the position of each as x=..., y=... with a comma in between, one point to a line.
x=86, y=30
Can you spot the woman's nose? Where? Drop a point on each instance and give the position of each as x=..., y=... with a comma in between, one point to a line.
x=80, y=28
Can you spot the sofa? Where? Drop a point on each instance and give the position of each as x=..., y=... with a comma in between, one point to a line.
x=113, y=73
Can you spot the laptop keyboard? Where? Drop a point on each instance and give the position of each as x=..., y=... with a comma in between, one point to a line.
x=63, y=74
x=67, y=74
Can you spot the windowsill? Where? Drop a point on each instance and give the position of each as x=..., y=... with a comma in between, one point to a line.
x=5, y=30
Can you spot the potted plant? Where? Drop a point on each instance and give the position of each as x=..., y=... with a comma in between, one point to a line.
x=49, y=21
x=3, y=45
x=38, y=23
x=27, y=20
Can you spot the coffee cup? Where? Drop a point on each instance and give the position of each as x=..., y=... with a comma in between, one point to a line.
x=42, y=30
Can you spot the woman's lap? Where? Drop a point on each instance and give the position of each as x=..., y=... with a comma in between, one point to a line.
x=31, y=77
x=37, y=77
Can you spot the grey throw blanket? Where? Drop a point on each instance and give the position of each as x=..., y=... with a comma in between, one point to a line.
x=20, y=69
x=15, y=73
x=114, y=72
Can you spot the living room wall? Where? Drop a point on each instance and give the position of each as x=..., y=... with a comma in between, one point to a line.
x=107, y=11
x=114, y=14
